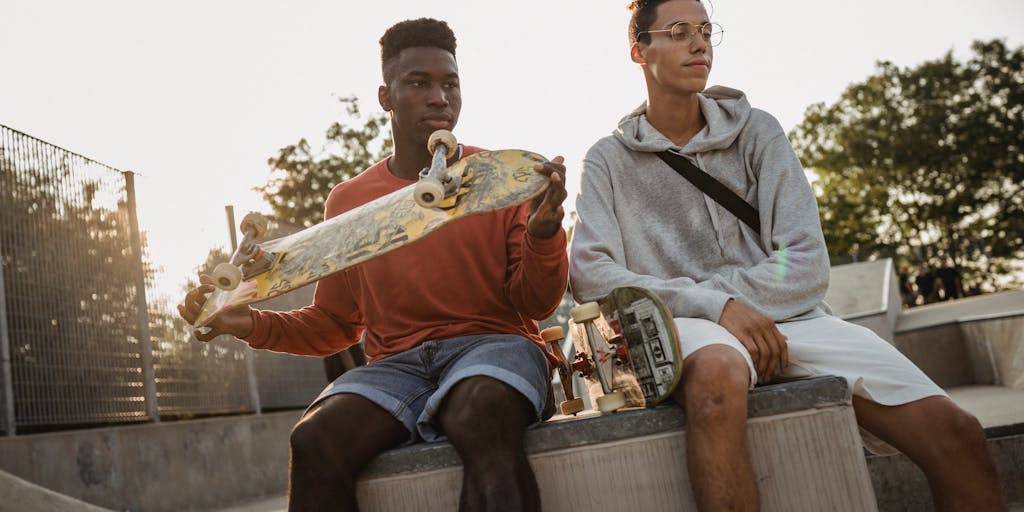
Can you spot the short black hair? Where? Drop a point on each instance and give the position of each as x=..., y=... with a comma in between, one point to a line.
x=414, y=33
x=644, y=14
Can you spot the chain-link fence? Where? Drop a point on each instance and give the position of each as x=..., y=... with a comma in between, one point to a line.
x=79, y=343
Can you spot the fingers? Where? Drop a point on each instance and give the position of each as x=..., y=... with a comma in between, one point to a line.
x=546, y=211
x=194, y=300
x=205, y=334
x=775, y=353
x=555, y=171
x=555, y=166
x=763, y=361
x=760, y=336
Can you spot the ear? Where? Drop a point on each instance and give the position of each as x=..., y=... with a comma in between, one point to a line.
x=636, y=54
x=382, y=98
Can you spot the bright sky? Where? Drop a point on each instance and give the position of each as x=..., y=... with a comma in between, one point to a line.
x=195, y=95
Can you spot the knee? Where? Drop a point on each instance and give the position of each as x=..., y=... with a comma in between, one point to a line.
x=481, y=409
x=318, y=441
x=307, y=436
x=715, y=388
x=961, y=432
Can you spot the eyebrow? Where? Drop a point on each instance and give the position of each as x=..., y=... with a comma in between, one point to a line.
x=416, y=73
x=706, y=20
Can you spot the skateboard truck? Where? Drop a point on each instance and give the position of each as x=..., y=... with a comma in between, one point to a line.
x=435, y=183
x=604, y=354
x=249, y=258
x=553, y=337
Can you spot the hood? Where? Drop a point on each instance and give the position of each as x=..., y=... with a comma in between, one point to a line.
x=726, y=111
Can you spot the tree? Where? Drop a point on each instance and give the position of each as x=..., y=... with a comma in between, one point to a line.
x=924, y=162
x=303, y=178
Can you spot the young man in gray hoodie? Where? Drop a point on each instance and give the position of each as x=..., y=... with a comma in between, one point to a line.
x=749, y=305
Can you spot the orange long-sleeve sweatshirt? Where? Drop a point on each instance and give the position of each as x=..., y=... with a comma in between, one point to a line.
x=480, y=274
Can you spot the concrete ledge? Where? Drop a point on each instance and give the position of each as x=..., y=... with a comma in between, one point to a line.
x=592, y=428
x=181, y=466
x=23, y=496
x=804, y=443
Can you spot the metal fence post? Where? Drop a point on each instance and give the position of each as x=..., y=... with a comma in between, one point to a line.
x=250, y=355
x=145, y=338
x=5, y=358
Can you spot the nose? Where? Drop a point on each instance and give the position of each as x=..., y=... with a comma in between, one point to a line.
x=698, y=44
x=437, y=96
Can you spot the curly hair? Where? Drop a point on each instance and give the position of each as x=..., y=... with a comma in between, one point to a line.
x=644, y=14
x=413, y=33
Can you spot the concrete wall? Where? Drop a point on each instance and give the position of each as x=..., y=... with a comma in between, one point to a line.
x=181, y=466
x=997, y=345
x=940, y=352
x=982, y=351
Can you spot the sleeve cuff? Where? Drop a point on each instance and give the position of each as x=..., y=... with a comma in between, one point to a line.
x=557, y=243
x=258, y=337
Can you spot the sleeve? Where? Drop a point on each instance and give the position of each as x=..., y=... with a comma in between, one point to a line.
x=794, y=277
x=598, y=263
x=538, y=268
x=331, y=324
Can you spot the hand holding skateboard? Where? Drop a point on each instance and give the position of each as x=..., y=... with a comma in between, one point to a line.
x=236, y=322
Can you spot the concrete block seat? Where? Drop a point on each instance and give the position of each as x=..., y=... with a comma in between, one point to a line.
x=802, y=435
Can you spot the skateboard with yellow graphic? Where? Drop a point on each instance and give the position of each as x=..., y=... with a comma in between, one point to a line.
x=627, y=349
x=480, y=183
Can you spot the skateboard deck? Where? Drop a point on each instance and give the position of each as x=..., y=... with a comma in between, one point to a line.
x=627, y=349
x=490, y=180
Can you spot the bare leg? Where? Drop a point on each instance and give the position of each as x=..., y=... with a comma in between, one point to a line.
x=714, y=392
x=946, y=442
x=330, y=446
x=485, y=420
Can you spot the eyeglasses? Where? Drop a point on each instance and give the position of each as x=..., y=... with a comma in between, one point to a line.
x=683, y=32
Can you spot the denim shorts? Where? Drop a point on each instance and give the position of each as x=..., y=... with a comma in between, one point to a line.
x=412, y=385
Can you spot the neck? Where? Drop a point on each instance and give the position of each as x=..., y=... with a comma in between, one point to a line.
x=409, y=158
x=677, y=117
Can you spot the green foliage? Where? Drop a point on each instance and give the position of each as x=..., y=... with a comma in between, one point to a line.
x=303, y=178
x=924, y=162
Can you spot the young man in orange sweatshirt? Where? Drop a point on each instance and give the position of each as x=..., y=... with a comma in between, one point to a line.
x=450, y=319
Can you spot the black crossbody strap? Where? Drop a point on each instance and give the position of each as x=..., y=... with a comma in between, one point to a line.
x=714, y=189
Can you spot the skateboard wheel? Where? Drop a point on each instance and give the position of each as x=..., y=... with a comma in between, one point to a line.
x=584, y=312
x=552, y=334
x=428, y=192
x=611, y=402
x=444, y=137
x=256, y=223
x=572, y=406
x=226, y=276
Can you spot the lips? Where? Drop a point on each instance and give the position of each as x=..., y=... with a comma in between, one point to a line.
x=438, y=120
x=698, y=64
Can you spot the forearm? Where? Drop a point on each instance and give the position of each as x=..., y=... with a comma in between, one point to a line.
x=307, y=331
x=538, y=282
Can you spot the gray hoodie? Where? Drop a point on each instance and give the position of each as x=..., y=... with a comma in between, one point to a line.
x=642, y=224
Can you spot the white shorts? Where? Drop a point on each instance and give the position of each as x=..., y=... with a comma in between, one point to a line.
x=826, y=345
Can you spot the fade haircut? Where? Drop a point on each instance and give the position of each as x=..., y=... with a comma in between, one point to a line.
x=644, y=14
x=410, y=34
